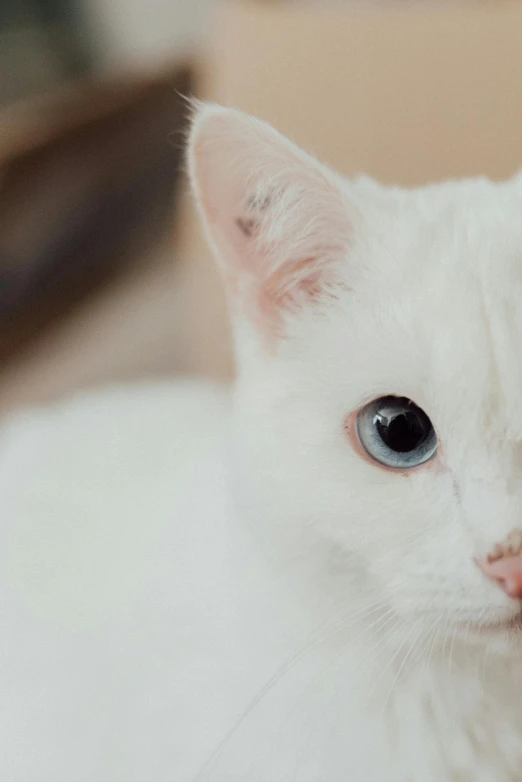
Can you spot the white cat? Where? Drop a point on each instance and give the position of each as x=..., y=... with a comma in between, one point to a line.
x=323, y=582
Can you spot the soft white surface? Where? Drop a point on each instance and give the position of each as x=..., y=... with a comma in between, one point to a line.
x=105, y=502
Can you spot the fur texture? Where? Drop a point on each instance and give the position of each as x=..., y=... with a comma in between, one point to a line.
x=194, y=591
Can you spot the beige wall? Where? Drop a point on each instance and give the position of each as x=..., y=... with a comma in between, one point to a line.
x=407, y=92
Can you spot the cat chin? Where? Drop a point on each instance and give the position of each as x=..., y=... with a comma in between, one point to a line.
x=500, y=630
x=501, y=636
x=512, y=625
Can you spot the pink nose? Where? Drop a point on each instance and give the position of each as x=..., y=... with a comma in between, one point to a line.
x=507, y=572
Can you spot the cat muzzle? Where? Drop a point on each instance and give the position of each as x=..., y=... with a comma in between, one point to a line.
x=503, y=565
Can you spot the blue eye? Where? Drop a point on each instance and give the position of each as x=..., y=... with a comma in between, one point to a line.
x=396, y=433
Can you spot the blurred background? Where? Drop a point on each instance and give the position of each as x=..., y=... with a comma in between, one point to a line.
x=104, y=276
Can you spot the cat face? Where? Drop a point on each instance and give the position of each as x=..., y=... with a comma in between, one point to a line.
x=354, y=304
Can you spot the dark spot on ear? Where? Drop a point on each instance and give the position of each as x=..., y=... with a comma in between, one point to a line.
x=256, y=204
x=246, y=225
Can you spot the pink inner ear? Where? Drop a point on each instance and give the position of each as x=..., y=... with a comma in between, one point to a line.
x=268, y=293
x=276, y=217
x=275, y=288
x=272, y=297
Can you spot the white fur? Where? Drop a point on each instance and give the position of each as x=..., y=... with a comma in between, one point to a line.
x=177, y=577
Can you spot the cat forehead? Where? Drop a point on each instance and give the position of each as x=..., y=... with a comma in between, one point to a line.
x=469, y=210
x=459, y=242
x=437, y=316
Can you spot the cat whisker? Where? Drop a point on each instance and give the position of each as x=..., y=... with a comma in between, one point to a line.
x=380, y=646
x=423, y=646
x=390, y=663
x=396, y=679
x=308, y=649
x=426, y=649
x=290, y=714
x=387, y=667
x=383, y=621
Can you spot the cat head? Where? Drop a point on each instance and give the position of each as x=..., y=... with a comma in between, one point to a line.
x=379, y=391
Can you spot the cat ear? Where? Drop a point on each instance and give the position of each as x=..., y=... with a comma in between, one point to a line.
x=275, y=216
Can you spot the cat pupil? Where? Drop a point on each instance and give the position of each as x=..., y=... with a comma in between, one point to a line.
x=401, y=432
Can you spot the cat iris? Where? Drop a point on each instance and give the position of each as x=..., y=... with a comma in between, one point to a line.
x=396, y=433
